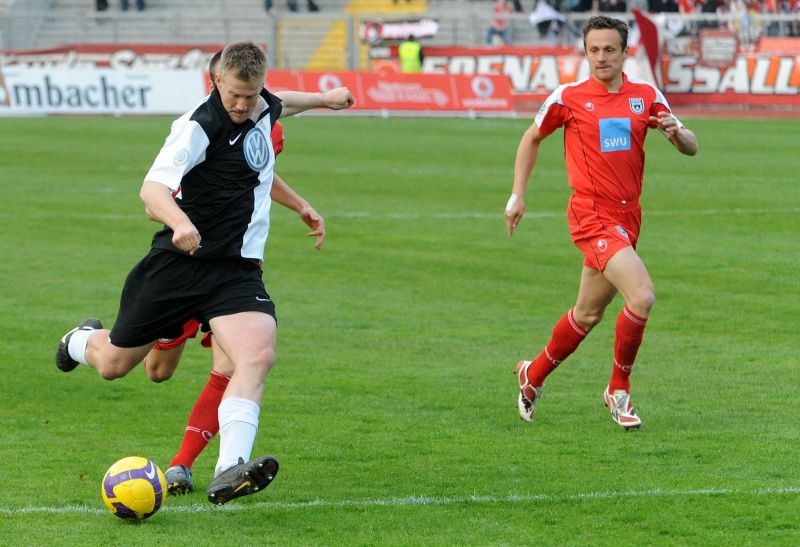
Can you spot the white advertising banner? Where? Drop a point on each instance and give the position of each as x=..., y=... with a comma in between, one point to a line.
x=101, y=90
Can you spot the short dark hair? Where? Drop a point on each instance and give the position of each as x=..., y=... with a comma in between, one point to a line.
x=601, y=22
x=212, y=64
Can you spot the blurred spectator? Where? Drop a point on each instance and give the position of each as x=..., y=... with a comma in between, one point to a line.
x=790, y=6
x=743, y=22
x=411, y=56
x=499, y=30
x=101, y=5
x=664, y=6
x=576, y=6
x=310, y=5
x=708, y=7
x=548, y=20
x=612, y=6
x=125, y=4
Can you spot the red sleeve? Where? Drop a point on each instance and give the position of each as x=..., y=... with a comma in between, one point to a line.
x=277, y=138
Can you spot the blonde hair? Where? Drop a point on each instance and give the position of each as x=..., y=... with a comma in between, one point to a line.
x=244, y=60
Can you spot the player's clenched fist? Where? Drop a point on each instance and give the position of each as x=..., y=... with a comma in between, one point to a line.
x=339, y=98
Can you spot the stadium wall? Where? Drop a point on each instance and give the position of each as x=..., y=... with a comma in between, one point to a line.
x=506, y=81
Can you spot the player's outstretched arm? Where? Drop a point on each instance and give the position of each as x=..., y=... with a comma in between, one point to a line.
x=282, y=193
x=681, y=138
x=295, y=102
x=527, y=152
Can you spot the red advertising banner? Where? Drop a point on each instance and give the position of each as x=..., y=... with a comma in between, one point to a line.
x=760, y=79
x=410, y=92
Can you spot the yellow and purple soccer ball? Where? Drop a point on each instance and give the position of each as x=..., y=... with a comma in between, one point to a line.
x=134, y=488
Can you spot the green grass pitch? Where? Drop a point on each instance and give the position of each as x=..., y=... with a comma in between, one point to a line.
x=392, y=405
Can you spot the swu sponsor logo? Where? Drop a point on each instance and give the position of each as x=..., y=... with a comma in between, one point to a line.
x=615, y=134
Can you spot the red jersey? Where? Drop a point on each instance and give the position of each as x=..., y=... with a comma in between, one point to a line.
x=500, y=14
x=604, y=134
x=277, y=138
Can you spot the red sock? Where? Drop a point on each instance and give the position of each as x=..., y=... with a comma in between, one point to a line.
x=630, y=331
x=203, y=422
x=567, y=336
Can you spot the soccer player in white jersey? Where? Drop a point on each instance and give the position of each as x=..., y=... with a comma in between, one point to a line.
x=210, y=187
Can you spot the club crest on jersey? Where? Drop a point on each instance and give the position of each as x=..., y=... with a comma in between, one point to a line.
x=181, y=157
x=256, y=150
x=637, y=105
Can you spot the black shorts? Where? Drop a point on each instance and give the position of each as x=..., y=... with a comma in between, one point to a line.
x=166, y=289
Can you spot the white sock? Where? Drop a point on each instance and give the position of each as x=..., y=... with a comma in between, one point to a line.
x=238, y=424
x=77, y=344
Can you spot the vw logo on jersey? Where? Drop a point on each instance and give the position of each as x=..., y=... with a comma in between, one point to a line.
x=256, y=150
x=637, y=105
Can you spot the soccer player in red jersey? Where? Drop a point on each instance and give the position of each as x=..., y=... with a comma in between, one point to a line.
x=605, y=119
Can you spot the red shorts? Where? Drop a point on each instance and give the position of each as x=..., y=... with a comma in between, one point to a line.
x=190, y=329
x=600, y=228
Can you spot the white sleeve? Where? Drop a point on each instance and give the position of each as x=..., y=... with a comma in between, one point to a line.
x=184, y=148
x=661, y=99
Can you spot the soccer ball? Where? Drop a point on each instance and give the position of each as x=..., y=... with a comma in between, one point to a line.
x=133, y=488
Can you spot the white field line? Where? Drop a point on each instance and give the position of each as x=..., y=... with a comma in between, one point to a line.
x=421, y=501
x=371, y=215
x=557, y=214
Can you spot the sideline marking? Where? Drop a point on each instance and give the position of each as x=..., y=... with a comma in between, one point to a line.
x=419, y=501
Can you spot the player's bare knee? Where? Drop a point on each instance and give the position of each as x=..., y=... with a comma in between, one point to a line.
x=113, y=369
x=587, y=319
x=642, y=303
x=268, y=359
x=110, y=373
x=159, y=375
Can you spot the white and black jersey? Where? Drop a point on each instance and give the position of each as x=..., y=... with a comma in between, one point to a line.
x=220, y=174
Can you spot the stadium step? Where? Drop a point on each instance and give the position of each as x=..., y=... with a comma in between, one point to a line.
x=331, y=54
x=356, y=7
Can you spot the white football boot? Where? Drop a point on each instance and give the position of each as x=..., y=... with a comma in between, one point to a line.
x=528, y=395
x=621, y=407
